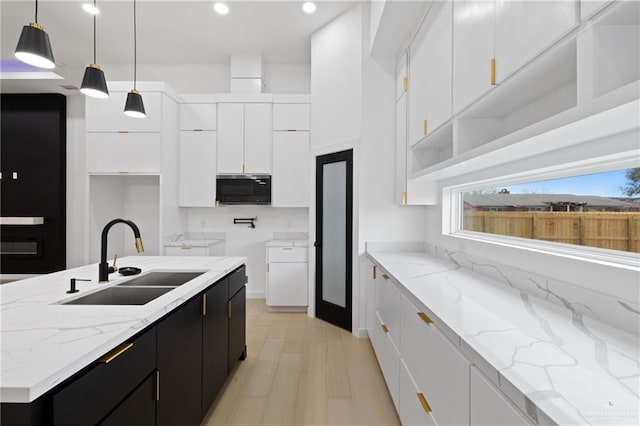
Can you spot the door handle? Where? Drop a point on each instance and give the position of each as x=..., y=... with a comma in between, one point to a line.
x=317, y=244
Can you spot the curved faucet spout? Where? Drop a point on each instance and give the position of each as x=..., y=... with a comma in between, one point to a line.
x=103, y=268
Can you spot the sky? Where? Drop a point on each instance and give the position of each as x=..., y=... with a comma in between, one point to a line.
x=606, y=184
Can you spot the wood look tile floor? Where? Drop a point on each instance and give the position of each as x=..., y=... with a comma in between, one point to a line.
x=302, y=371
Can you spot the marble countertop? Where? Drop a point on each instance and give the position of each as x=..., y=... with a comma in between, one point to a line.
x=43, y=342
x=572, y=368
x=194, y=239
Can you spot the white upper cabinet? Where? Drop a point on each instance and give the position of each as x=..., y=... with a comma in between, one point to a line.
x=291, y=116
x=230, y=138
x=197, y=173
x=112, y=152
x=107, y=115
x=472, y=51
x=430, y=72
x=290, y=179
x=197, y=116
x=257, y=138
x=523, y=29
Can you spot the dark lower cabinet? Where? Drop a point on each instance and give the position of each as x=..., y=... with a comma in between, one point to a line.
x=180, y=366
x=139, y=408
x=169, y=374
x=215, y=332
x=237, y=327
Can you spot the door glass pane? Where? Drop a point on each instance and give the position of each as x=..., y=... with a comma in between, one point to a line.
x=334, y=229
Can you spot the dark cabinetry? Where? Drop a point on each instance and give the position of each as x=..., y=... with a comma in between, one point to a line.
x=215, y=333
x=139, y=408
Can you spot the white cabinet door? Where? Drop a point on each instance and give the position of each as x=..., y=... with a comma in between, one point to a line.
x=401, y=76
x=388, y=358
x=371, y=274
x=230, y=138
x=287, y=254
x=401, y=150
x=124, y=152
x=198, y=116
x=290, y=177
x=411, y=411
x=472, y=51
x=107, y=115
x=523, y=29
x=291, y=117
x=489, y=407
x=418, y=63
x=438, y=44
x=388, y=305
x=197, y=173
x=257, y=138
x=287, y=284
x=440, y=371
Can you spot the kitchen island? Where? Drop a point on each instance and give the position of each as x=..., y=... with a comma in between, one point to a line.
x=48, y=346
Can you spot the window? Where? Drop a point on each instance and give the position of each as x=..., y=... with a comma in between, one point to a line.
x=598, y=210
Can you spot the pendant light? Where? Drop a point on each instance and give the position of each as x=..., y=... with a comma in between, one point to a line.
x=134, y=107
x=93, y=82
x=34, y=47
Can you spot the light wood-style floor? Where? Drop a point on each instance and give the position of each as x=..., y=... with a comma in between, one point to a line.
x=302, y=371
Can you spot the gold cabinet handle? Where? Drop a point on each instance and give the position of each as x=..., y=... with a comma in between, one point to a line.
x=375, y=270
x=404, y=198
x=204, y=305
x=384, y=328
x=493, y=71
x=229, y=309
x=424, y=127
x=405, y=84
x=385, y=276
x=115, y=353
x=157, y=385
x=242, y=168
x=198, y=130
x=287, y=248
x=423, y=401
x=424, y=317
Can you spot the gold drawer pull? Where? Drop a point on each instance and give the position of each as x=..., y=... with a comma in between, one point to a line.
x=405, y=84
x=425, y=405
x=115, y=353
x=424, y=317
x=375, y=270
x=157, y=385
x=384, y=328
x=229, y=309
x=385, y=276
x=493, y=71
x=198, y=130
x=204, y=305
x=287, y=248
x=424, y=127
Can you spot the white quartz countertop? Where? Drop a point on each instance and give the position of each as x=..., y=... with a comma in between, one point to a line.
x=287, y=243
x=192, y=243
x=43, y=342
x=572, y=368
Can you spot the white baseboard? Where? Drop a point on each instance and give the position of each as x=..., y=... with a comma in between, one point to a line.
x=256, y=295
x=362, y=333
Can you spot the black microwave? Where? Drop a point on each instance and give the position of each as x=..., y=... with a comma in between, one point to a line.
x=243, y=189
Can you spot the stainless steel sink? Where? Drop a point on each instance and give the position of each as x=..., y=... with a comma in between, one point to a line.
x=121, y=296
x=161, y=279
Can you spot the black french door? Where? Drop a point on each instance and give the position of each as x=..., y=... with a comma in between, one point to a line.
x=334, y=230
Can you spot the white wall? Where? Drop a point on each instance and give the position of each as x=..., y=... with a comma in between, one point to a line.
x=244, y=241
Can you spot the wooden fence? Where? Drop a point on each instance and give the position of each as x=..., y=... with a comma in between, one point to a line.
x=617, y=231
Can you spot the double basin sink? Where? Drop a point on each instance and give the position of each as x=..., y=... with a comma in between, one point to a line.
x=137, y=291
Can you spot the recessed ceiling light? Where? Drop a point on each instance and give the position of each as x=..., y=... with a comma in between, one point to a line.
x=309, y=7
x=221, y=8
x=91, y=9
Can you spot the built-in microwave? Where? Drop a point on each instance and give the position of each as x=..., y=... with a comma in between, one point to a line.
x=243, y=189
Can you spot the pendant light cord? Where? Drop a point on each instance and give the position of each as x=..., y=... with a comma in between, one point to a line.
x=94, y=34
x=36, y=11
x=135, y=42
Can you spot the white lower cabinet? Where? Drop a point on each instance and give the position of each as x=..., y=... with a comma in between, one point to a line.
x=124, y=152
x=388, y=358
x=287, y=277
x=439, y=369
x=489, y=407
x=387, y=305
x=412, y=410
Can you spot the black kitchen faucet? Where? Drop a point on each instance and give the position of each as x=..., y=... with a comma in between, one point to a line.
x=103, y=268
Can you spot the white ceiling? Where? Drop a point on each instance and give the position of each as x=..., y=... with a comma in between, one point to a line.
x=171, y=32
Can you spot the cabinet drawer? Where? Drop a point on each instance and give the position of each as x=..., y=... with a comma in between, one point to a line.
x=489, y=406
x=106, y=115
x=198, y=116
x=91, y=395
x=439, y=369
x=287, y=254
x=124, y=152
x=287, y=284
x=291, y=116
x=388, y=305
x=388, y=358
x=412, y=411
x=237, y=280
x=187, y=251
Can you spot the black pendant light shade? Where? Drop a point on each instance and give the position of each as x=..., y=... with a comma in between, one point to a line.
x=34, y=47
x=94, y=83
x=134, y=107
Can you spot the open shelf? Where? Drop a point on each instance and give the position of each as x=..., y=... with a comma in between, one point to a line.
x=545, y=87
x=134, y=197
x=434, y=149
x=616, y=48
